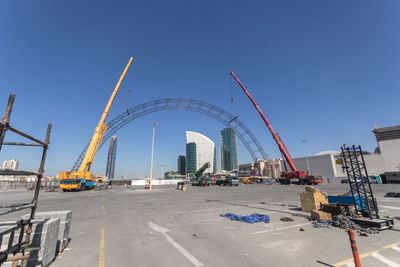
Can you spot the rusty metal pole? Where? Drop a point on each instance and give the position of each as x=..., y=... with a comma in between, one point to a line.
x=356, y=256
x=9, y=107
x=6, y=119
x=37, y=189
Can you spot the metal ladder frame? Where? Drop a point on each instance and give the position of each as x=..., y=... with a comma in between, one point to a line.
x=21, y=245
x=360, y=187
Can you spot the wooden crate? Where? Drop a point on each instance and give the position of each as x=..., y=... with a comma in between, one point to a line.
x=312, y=201
x=320, y=215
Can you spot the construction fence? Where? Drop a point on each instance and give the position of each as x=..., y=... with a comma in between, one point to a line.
x=22, y=185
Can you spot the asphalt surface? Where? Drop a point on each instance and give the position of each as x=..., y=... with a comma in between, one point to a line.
x=167, y=227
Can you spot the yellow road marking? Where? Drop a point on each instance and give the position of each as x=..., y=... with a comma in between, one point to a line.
x=367, y=254
x=101, y=253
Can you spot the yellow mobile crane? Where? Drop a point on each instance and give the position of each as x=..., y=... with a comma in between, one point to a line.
x=83, y=179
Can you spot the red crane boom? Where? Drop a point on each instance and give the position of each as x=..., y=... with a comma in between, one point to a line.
x=278, y=140
x=306, y=178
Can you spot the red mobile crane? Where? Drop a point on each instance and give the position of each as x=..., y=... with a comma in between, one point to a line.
x=303, y=178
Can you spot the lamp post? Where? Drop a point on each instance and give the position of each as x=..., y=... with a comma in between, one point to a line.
x=162, y=167
x=305, y=151
x=152, y=149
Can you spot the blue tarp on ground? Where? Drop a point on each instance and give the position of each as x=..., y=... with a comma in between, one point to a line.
x=392, y=194
x=255, y=217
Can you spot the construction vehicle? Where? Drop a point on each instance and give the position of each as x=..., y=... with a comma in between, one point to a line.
x=100, y=184
x=248, y=180
x=147, y=184
x=198, y=179
x=228, y=181
x=294, y=175
x=83, y=178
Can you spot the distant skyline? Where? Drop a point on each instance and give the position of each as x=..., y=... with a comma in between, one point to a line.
x=324, y=71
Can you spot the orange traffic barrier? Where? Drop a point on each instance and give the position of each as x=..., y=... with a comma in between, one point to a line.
x=354, y=248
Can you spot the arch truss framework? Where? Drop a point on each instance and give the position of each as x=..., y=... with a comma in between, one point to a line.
x=245, y=135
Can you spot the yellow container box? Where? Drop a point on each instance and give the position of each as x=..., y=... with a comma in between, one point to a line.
x=312, y=201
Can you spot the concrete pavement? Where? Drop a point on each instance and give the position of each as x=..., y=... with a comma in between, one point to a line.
x=167, y=227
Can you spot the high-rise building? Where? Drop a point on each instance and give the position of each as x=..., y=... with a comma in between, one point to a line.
x=229, y=157
x=203, y=148
x=182, y=165
x=191, y=162
x=112, y=152
x=215, y=160
x=10, y=164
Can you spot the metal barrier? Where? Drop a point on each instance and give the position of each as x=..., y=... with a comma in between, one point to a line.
x=17, y=185
x=20, y=245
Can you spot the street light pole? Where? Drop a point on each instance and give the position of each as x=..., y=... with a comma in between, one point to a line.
x=152, y=149
x=305, y=151
x=162, y=167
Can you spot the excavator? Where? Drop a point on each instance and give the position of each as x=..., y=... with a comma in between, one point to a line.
x=298, y=176
x=198, y=179
x=83, y=178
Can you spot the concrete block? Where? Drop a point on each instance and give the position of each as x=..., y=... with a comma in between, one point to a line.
x=44, y=235
x=65, y=217
x=6, y=238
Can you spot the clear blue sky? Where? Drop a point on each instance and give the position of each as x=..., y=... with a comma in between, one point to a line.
x=325, y=71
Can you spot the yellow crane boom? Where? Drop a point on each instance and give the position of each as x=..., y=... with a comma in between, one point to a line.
x=101, y=128
x=82, y=179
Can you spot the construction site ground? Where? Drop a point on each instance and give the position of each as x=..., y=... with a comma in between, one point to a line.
x=167, y=227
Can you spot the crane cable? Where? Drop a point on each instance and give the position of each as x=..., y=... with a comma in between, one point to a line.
x=129, y=98
x=231, y=86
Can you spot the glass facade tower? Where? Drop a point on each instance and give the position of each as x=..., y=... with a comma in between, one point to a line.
x=182, y=165
x=229, y=157
x=215, y=160
x=191, y=161
x=112, y=152
x=204, y=152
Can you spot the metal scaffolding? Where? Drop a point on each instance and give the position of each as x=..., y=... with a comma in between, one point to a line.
x=20, y=246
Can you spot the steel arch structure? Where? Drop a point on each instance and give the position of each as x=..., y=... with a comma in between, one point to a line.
x=245, y=135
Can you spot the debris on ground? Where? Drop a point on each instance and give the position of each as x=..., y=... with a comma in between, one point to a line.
x=321, y=215
x=344, y=222
x=322, y=224
x=255, y=217
x=337, y=208
x=263, y=202
x=287, y=219
x=301, y=230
